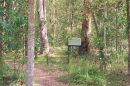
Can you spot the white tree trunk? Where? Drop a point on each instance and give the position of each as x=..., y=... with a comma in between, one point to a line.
x=44, y=38
x=30, y=51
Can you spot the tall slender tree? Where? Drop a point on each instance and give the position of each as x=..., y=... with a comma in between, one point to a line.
x=86, y=27
x=31, y=35
x=43, y=33
x=1, y=48
x=3, y=6
x=128, y=28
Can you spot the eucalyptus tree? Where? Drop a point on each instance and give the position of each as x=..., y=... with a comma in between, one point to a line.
x=31, y=35
x=86, y=27
x=43, y=28
x=128, y=29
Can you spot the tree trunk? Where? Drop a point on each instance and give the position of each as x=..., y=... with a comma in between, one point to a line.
x=54, y=17
x=72, y=16
x=1, y=32
x=31, y=35
x=86, y=28
x=1, y=45
x=128, y=27
x=43, y=33
x=100, y=43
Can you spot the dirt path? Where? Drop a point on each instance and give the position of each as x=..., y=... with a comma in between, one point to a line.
x=47, y=78
x=42, y=77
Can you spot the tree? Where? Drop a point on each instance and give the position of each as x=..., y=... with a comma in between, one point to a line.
x=1, y=45
x=86, y=27
x=43, y=28
x=30, y=53
x=128, y=29
x=3, y=6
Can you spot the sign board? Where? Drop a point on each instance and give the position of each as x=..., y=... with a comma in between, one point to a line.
x=75, y=41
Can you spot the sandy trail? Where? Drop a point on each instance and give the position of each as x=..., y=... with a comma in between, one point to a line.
x=47, y=78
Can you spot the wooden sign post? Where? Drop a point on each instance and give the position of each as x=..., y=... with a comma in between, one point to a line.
x=74, y=42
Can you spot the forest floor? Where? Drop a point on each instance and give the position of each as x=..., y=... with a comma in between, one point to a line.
x=49, y=74
x=52, y=74
x=48, y=77
x=43, y=76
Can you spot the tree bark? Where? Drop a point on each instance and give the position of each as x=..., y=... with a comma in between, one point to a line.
x=128, y=27
x=43, y=33
x=1, y=45
x=1, y=32
x=31, y=35
x=86, y=28
x=72, y=16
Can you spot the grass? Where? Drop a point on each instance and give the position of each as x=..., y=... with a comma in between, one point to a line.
x=7, y=75
x=81, y=71
x=11, y=75
x=86, y=72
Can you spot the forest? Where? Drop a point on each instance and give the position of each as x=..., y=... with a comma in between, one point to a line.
x=64, y=42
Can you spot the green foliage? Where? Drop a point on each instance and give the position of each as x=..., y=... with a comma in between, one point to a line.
x=14, y=26
x=85, y=73
x=64, y=16
x=41, y=60
x=7, y=75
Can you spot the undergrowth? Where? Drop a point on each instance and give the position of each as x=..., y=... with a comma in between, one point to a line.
x=86, y=71
x=9, y=75
x=82, y=72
